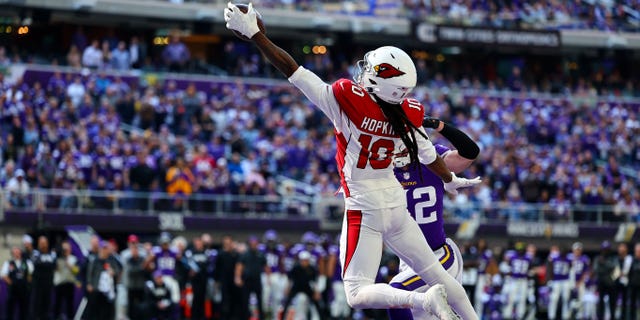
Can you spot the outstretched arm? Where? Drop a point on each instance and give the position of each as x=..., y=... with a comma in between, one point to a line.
x=316, y=90
x=247, y=25
x=276, y=55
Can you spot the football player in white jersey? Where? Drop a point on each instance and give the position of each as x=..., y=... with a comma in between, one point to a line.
x=372, y=116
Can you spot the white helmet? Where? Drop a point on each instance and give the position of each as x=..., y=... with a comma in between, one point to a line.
x=401, y=157
x=388, y=72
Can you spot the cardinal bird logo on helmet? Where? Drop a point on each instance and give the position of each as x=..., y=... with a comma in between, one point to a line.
x=386, y=71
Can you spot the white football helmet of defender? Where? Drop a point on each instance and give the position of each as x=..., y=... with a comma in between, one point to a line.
x=388, y=72
x=401, y=156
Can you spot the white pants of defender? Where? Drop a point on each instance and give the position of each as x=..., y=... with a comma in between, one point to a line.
x=516, y=296
x=559, y=288
x=455, y=270
x=273, y=287
x=363, y=234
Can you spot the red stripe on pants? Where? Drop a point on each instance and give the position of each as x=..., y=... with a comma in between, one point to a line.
x=354, y=219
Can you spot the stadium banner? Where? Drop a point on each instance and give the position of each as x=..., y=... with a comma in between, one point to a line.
x=463, y=35
x=543, y=229
x=132, y=222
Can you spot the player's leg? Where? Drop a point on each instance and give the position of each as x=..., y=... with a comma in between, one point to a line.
x=522, y=298
x=566, y=297
x=455, y=270
x=407, y=279
x=553, y=299
x=507, y=311
x=479, y=294
x=405, y=238
x=278, y=287
x=267, y=297
x=580, y=300
x=360, y=254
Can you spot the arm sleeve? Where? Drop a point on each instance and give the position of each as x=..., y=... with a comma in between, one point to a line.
x=317, y=91
x=466, y=147
x=426, y=151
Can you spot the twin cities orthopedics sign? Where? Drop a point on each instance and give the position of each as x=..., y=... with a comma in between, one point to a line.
x=459, y=35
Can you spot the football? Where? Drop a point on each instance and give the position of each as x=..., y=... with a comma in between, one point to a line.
x=244, y=8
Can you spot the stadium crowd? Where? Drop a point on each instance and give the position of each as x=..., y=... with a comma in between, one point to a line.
x=66, y=132
x=575, y=14
x=258, y=278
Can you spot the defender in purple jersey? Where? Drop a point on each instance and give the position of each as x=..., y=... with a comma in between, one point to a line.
x=425, y=197
x=580, y=264
x=275, y=281
x=560, y=277
x=515, y=287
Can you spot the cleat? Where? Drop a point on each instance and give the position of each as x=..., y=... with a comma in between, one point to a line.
x=436, y=303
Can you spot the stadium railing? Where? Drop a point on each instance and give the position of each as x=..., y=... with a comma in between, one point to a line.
x=326, y=208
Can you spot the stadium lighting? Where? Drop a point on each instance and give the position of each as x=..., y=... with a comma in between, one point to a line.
x=23, y=30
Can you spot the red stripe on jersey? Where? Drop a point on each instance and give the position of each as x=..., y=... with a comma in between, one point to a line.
x=354, y=220
x=341, y=152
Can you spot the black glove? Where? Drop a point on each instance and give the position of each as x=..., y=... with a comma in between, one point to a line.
x=429, y=122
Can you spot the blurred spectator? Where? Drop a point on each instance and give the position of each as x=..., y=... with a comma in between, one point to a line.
x=64, y=280
x=101, y=292
x=27, y=247
x=141, y=177
x=136, y=53
x=230, y=305
x=92, y=56
x=105, y=48
x=10, y=149
x=626, y=208
x=604, y=269
x=18, y=190
x=180, y=181
x=621, y=277
x=176, y=54
x=74, y=58
x=200, y=260
x=158, y=298
x=249, y=271
x=302, y=279
x=134, y=277
x=16, y=273
x=78, y=39
x=121, y=57
x=5, y=61
x=44, y=265
x=634, y=283
x=76, y=91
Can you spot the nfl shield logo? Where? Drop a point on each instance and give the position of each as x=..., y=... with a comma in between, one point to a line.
x=406, y=175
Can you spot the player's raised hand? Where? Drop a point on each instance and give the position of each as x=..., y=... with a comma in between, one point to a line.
x=244, y=23
x=457, y=183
